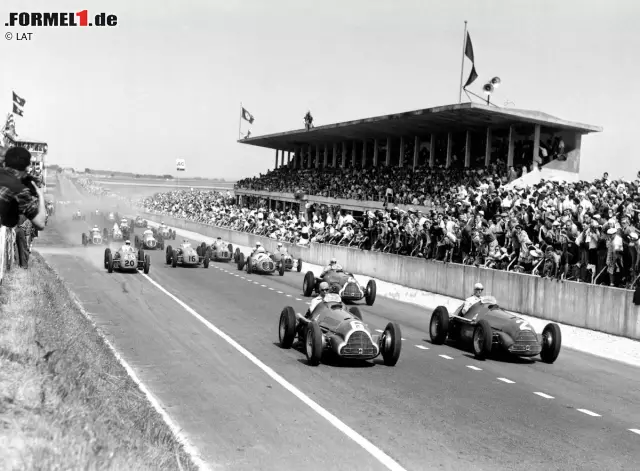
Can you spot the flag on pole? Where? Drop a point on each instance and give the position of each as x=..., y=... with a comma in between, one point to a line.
x=17, y=100
x=247, y=116
x=468, y=51
x=17, y=110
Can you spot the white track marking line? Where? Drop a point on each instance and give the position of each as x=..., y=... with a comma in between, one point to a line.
x=422, y=347
x=280, y=292
x=242, y=277
x=505, y=380
x=298, y=299
x=474, y=368
x=379, y=330
x=446, y=357
x=374, y=451
x=635, y=430
x=256, y=283
x=546, y=396
x=588, y=412
x=272, y=289
x=264, y=286
x=237, y=275
x=288, y=295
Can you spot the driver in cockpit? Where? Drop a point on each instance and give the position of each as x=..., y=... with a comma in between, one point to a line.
x=475, y=298
x=127, y=247
x=324, y=290
x=333, y=265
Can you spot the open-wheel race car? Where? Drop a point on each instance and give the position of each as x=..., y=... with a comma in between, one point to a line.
x=287, y=260
x=489, y=328
x=116, y=234
x=186, y=256
x=261, y=263
x=95, y=238
x=78, y=216
x=220, y=251
x=112, y=217
x=148, y=241
x=126, y=260
x=139, y=222
x=334, y=329
x=343, y=283
x=165, y=233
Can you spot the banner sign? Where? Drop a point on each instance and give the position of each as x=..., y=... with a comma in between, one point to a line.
x=180, y=165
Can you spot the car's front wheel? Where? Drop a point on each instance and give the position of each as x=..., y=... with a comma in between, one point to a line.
x=391, y=344
x=482, y=339
x=287, y=327
x=313, y=344
x=439, y=325
x=551, y=343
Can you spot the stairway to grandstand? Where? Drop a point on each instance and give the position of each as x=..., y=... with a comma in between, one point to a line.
x=556, y=170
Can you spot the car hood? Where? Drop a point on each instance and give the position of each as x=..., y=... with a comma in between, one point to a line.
x=335, y=319
x=336, y=278
x=503, y=321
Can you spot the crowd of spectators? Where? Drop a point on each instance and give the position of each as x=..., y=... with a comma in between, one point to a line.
x=584, y=231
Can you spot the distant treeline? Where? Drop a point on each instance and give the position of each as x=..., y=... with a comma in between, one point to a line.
x=113, y=174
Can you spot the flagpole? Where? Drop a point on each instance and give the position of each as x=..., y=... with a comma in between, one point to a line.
x=464, y=46
x=240, y=123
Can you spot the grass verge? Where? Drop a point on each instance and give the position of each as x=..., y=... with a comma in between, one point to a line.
x=65, y=401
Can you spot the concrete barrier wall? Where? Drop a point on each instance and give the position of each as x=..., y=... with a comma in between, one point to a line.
x=595, y=307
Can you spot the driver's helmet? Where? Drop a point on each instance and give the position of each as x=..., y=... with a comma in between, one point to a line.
x=258, y=245
x=127, y=242
x=96, y=228
x=279, y=245
x=260, y=250
x=478, y=289
x=323, y=288
x=333, y=261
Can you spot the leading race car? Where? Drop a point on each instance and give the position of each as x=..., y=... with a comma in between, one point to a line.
x=342, y=282
x=148, y=241
x=139, y=222
x=78, y=216
x=186, y=256
x=220, y=251
x=261, y=263
x=126, y=260
x=164, y=232
x=95, y=238
x=488, y=328
x=339, y=331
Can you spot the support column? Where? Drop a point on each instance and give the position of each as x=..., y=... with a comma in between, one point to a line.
x=416, y=151
x=288, y=157
x=282, y=158
x=317, y=156
x=309, y=156
x=375, y=152
x=511, y=146
x=276, y=166
x=343, y=164
x=353, y=154
x=432, y=150
x=388, y=158
x=467, y=151
x=335, y=155
x=401, y=158
x=487, y=148
x=536, y=142
x=326, y=155
x=449, y=149
x=364, y=153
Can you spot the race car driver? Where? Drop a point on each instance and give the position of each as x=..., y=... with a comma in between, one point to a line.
x=147, y=232
x=95, y=231
x=259, y=249
x=333, y=265
x=281, y=249
x=127, y=247
x=324, y=290
x=475, y=298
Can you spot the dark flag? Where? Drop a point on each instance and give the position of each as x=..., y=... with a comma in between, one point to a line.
x=247, y=116
x=468, y=51
x=17, y=110
x=17, y=100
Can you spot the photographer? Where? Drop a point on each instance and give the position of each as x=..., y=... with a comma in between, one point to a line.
x=21, y=199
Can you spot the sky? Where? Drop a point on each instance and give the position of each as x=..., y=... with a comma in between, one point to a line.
x=168, y=80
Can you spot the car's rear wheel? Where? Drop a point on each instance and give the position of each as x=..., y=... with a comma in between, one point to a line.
x=106, y=257
x=281, y=269
x=391, y=344
x=482, y=339
x=313, y=344
x=84, y=239
x=206, y=260
x=240, y=259
x=287, y=327
x=308, y=283
x=439, y=325
x=110, y=263
x=168, y=253
x=140, y=255
x=174, y=258
x=249, y=267
x=147, y=264
x=355, y=310
x=299, y=267
x=230, y=248
x=551, y=343
x=370, y=293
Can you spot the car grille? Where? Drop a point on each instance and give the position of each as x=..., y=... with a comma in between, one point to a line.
x=267, y=265
x=526, y=342
x=351, y=291
x=288, y=263
x=151, y=243
x=97, y=240
x=359, y=344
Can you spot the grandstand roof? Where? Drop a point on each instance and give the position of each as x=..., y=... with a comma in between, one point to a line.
x=447, y=118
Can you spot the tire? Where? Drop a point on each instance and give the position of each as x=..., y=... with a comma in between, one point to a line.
x=240, y=260
x=308, y=284
x=313, y=344
x=482, y=340
x=551, y=343
x=110, y=262
x=249, y=271
x=299, y=267
x=168, y=253
x=174, y=258
x=391, y=344
x=237, y=254
x=439, y=325
x=203, y=248
x=287, y=327
x=106, y=258
x=355, y=310
x=136, y=241
x=281, y=269
x=205, y=262
x=147, y=264
x=230, y=248
x=370, y=293
x=140, y=255
x=199, y=251
x=84, y=239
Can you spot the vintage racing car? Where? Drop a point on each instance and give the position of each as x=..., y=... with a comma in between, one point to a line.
x=186, y=256
x=116, y=234
x=126, y=260
x=219, y=251
x=488, y=327
x=113, y=217
x=261, y=263
x=287, y=260
x=165, y=233
x=343, y=283
x=139, y=222
x=95, y=239
x=78, y=216
x=334, y=329
x=148, y=241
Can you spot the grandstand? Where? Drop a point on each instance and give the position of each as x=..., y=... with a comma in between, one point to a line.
x=464, y=136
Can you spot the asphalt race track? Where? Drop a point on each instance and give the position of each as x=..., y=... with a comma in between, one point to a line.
x=439, y=408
